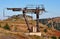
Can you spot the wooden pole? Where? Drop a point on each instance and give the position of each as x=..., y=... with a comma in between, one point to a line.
x=24, y=15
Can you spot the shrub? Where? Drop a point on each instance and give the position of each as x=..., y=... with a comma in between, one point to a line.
x=53, y=37
x=45, y=30
x=6, y=27
x=0, y=25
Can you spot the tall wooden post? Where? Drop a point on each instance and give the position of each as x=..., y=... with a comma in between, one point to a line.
x=37, y=19
x=37, y=22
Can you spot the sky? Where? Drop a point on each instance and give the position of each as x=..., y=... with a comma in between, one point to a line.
x=51, y=6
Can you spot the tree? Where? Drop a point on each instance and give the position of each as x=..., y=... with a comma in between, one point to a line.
x=6, y=27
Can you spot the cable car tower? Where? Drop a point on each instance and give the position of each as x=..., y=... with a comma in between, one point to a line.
x=36, y=10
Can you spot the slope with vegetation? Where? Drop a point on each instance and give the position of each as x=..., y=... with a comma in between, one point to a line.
x=16, y=26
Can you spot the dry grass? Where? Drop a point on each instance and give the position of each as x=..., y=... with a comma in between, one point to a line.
x=22, y=27
x=12, y=35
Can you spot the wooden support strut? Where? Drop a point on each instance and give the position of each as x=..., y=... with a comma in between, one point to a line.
x=24, y=15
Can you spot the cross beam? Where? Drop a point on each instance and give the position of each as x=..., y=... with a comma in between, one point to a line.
x=26, y=10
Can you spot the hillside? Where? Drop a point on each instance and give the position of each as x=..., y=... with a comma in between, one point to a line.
x=5, y=34
x=17, y=24
x=51, y=21
x=18, y=17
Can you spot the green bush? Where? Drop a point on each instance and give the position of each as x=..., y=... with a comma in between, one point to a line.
x=53, y=37
x=6, y=27
x=45, y=30
x=0, y=25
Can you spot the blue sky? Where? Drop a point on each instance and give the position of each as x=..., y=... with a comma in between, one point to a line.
x=52, y=6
